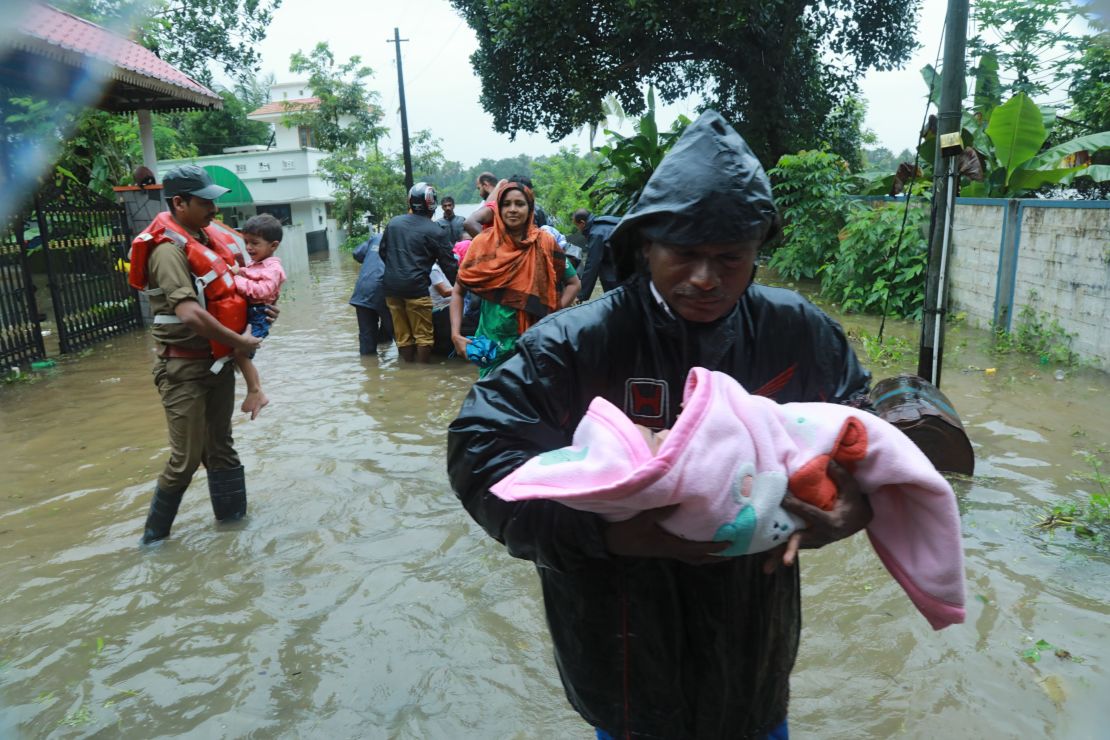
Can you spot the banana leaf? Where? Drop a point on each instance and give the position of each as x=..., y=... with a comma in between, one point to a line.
x=1017, y=131
x=1097, y=172
x=1051, y=157
x=1025, y=179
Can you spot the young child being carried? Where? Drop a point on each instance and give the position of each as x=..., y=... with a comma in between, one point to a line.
x=730, y=459
x=260, y=283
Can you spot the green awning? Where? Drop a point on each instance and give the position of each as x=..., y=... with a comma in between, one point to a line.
x=224, y=177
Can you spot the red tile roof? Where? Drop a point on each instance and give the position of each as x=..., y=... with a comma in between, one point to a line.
x=51, y=32
x=279, y=106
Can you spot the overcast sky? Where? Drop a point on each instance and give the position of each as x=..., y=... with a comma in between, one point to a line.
x=442, y=90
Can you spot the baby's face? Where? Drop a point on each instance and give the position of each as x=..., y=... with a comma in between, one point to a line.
x=654, y=439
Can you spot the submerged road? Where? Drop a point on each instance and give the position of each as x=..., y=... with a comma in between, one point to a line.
x=359, y=600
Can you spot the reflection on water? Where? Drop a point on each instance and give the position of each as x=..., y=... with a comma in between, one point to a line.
x=358, y=600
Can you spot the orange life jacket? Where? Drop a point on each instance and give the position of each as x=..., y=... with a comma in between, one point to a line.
x=211, y=268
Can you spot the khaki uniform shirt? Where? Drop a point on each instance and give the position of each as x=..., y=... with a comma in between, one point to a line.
x=168, y=269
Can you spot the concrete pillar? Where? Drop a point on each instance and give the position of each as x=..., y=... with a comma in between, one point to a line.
x=146, y=136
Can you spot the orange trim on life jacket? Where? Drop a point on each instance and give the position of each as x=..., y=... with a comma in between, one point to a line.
x=210, y=266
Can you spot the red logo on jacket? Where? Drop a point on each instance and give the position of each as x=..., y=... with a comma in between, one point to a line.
x=645, y=401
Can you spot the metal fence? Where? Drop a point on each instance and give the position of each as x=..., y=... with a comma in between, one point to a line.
x=86, y=240
x=20, y=333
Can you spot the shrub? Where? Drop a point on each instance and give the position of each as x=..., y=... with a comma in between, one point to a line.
x=809, y=189
x=867, y=275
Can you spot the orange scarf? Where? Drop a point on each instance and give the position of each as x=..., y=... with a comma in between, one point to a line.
x=523, y=275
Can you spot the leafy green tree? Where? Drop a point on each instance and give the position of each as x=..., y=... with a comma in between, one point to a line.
x=189, y=34
x=558, y=180
x=866, y=274
x=211, y=131
x=775, y=68
x=427, y=154
x=347, y=115
x=627, y=162
x=346, y=121
x=457, y=181
x=881, y=159
x=369, y=187
x=846, y=134
x=809, y=190
x=98, y=148
x=1090, y=85
x=1033, y=41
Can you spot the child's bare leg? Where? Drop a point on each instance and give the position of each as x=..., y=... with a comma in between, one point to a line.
x=256, y=400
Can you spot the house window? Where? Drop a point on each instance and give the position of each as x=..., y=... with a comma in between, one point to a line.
x=287, y=164
x=240, y=169
x=281, y=211
x=304, y=135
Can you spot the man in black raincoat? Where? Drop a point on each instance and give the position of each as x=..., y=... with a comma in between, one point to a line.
x=656, y=636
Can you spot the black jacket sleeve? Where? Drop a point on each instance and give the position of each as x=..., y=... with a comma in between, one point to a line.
x=846, y=381
x=509, y=417
x=445, y=256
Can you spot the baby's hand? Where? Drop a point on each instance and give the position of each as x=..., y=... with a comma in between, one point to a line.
x=654, y=439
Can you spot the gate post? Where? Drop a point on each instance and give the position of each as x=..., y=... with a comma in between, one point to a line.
x=52, y=280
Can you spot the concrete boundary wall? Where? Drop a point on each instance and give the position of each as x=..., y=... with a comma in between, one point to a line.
x=1051, y=256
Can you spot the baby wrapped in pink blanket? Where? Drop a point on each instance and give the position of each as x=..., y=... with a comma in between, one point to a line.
x=730, y=459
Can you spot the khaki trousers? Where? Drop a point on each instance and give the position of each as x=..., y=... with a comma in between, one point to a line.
x=198, y=407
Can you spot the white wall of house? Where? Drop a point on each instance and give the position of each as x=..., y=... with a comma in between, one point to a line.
x=276, y=177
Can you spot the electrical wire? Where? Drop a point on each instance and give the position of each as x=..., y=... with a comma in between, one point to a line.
x=913, y=179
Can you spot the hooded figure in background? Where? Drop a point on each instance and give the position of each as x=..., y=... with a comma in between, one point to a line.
x=655, y=635
x=374, y=323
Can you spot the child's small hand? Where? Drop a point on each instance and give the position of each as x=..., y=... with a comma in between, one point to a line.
x=234, y=268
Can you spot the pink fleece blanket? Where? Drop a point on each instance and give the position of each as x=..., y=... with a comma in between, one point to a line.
x=729, y=460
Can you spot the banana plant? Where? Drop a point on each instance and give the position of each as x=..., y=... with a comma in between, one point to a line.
x=1011, y=152
x=1008, y=140
x=627, y=162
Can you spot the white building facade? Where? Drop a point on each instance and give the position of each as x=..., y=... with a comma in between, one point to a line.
x=281, y=179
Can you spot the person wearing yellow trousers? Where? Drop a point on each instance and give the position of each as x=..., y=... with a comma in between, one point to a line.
x=197, y=393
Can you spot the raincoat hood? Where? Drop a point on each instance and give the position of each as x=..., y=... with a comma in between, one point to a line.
x=709, y=188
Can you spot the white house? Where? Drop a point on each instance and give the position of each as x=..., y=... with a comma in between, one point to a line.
x=280, y=179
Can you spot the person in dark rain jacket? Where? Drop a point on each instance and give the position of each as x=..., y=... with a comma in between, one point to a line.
x=656, y=636
x=374, y=323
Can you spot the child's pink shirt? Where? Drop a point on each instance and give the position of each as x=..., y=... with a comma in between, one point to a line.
x=260, y=282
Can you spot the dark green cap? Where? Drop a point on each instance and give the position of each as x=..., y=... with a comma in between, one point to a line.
x=191, y=179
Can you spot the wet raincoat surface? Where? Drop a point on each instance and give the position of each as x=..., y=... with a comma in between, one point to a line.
x=650, y=647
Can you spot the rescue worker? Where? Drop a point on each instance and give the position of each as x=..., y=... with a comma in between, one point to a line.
x=181, y=252
x=655, y=635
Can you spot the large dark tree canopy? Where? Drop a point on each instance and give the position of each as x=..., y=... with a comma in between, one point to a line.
x=775, y=68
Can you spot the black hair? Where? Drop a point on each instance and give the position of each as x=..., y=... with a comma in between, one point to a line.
x=488, y=177
x=523, y=180
x=580, y=215
x=263, y=225
x=185, y=198
x=447, y=199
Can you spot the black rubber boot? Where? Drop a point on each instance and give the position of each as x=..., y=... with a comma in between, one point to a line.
x=163, y=510
x=228, y=489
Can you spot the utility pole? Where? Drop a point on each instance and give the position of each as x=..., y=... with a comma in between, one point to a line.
x=404, y=113
x=945, y=181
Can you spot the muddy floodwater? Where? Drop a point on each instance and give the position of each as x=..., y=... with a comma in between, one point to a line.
x=359, y=600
